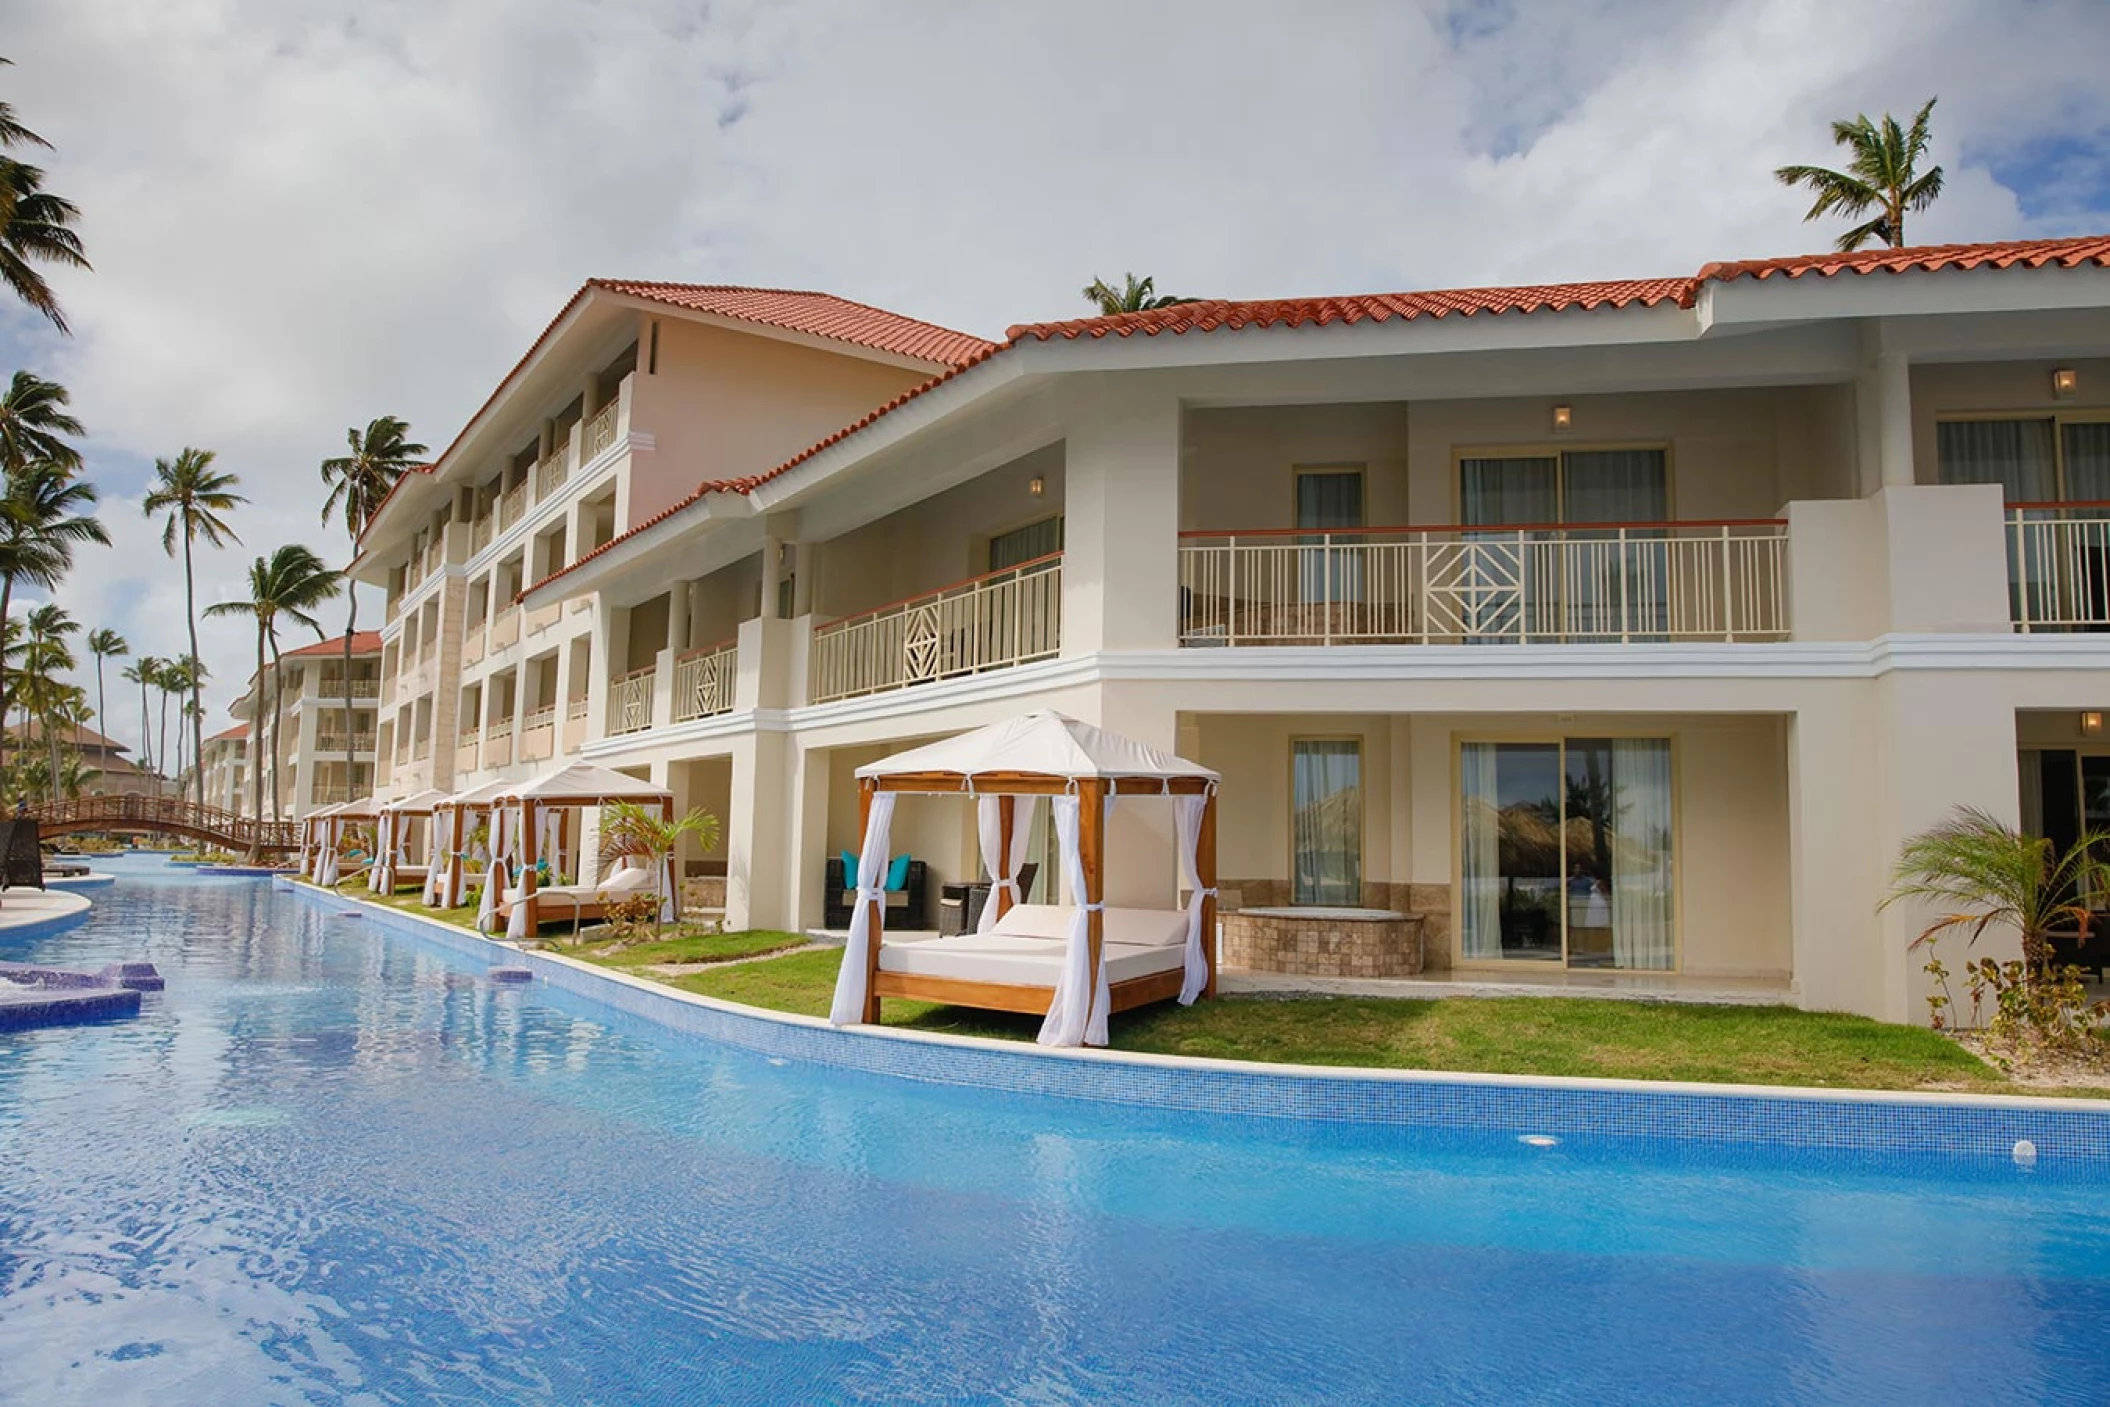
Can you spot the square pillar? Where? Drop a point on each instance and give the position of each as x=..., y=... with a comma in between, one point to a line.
x=1121, y=500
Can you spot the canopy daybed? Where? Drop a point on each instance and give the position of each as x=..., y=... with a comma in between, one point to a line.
x=392, y=863
x=333, y=820
x=528, y=825
x=453, y=821
x=312, y=836
x=1075, y=964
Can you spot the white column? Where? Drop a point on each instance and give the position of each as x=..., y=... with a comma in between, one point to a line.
x=772, y=575
x=1121, y=501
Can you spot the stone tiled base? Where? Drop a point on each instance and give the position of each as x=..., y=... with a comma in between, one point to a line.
x=1323, y=947
x=702, y=892
x=1431, y=901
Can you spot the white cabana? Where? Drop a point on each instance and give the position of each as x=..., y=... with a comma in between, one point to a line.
x=328, y=869
x=1076, y=964
x=533, y=815
x=312, y=841
x=392, y=862
x=453, y=820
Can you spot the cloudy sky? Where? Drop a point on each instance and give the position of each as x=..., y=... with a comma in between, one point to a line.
x=304, y=213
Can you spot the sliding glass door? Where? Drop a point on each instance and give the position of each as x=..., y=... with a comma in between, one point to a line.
x=1575, y=572
x=1566, y=853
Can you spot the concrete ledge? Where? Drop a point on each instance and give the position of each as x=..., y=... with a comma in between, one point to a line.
x=1822, y=1121
x=33, y=913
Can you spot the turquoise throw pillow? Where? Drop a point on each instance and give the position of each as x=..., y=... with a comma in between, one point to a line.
x=849, y=870
x=897, y=873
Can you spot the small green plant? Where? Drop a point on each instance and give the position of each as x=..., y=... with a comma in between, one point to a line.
x=640, y=833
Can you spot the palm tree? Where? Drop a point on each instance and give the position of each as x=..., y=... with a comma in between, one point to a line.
x=105, y=644
x=142, y=672
x=42, y=519
x=358, y=483
x=187, y=676
x=1883, y=176
x=1984, y=874
x=47, y=626
x=12, y=132
x=34, y=424
x=194, y=496
x=35, y=226
x=289, y=584
x=640, y=831
x=1137, y=295
x=168, y=678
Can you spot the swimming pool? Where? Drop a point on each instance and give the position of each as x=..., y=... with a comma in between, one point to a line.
x=333, y=1164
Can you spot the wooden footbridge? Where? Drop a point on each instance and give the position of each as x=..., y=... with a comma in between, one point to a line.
x=164, y=815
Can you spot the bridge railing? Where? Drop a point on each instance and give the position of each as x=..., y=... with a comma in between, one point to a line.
x=229, y=829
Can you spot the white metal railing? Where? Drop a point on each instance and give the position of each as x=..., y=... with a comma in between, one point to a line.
x=327, y=689
x=328, y=743
x=600, y=431
x=2058, y=566
x=421, y=749
x=513, y=506
x=575, y=707
x=499, y=728
x=543, y=717
x=551, y=472
x=988, y=622
x=630, y=702
x=480, y=533
x=703, y=682
x=1534, y=584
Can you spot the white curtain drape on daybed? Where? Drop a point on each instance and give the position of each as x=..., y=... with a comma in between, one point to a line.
x=1077, y=1011
x=498, y=872
x=1187, y=814
x=849, y=1005
x=326, y=868
x=430, y=893
x=381, y=874
x=1003, y=870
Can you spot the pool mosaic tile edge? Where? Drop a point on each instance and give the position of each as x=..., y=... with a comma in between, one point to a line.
x=1963, y=1125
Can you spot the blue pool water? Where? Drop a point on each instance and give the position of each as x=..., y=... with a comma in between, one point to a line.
x=332, y=1165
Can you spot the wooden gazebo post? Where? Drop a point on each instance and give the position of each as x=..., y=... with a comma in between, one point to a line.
x=666, y=869
x=527, y=868
x=1091, y=846
x=865, y=789
x=1006, y=808
x=451, y=893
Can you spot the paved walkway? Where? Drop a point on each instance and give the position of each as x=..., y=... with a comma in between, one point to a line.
x=48, y=910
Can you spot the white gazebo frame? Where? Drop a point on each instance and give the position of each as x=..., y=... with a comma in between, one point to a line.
x=595, y=787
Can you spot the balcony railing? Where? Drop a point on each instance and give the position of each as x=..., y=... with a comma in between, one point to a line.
x=988, y=622
x=505, y=628
x=513, y=506
x=543, y=717
x=550, y=473
x=327, y=744
x=1530, y=584
x=600, y=431
x=703, y=682
x=2058, y=566
x=575, y=707
x=421, y=749
x=630, y=702
x=467, y=738
x=325, y=688
x=480, y=533
x=500, y=728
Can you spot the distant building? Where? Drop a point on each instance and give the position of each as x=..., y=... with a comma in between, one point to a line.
x=311, y=732
x=112, y=773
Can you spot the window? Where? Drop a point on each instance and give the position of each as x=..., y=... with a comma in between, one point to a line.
x=1026, y=544
x=1566, y=853
x=2045, y=459
x=1326, y=822
x=1574, y=486
x=1329, y=501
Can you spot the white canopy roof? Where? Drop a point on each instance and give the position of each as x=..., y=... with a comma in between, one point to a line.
x=322, y=813
x=477, y=797
x=583, y=784
x=359, y=809
x=417, y=803
x=1044, y=743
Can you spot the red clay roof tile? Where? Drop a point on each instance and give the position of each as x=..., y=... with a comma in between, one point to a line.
x=818, y=314
x=1930, y=258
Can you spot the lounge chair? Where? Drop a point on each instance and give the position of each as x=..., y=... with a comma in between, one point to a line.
x=578, y=903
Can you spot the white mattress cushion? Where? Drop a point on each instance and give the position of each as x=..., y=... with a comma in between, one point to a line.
x=1023, y=961
x=1136, y=927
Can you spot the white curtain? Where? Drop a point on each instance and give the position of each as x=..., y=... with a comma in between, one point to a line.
x=381, y=875
x=1642, y=908
x=1187, y=822
x=495, y=872
x=1326, y=823
x=326, y=867
x=1004, y=870
x=2019, y=455
x=849, y=1005
x=1077, y=1011
x=430, y=893
x=1481, y=866
x=517, y=922
x=546, y=846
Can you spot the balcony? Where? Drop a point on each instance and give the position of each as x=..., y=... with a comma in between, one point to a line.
x=472, y=642
x=328, y=689
x=2058, y=567
x=1004, y=618
x=1531, y=584
x=505, y=629
x=480, y=533
x=574, y=729
x=630, y=702
x=513, y=506
x=331, y=744
x=600, y=431
x=551, y=473
x=498, y=742
x=703, y=682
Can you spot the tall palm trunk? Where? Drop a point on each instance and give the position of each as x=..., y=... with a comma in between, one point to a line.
x=100, y=716
x=197, y=717
x=256, y=763
x=7, y=594
x=146, y=726
x=161, y=750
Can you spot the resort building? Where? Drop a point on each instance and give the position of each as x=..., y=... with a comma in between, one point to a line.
x=106, y=769
x=310, y=732
x=1618, y=633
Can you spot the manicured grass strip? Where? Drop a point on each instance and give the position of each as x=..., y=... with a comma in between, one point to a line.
x=688, y=947
x=1501, y=1035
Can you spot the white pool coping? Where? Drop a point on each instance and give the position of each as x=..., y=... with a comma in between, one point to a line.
x=38, y=911
x=1336, y=1074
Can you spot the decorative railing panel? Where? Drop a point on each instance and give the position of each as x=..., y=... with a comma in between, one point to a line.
x=551, y=473
x=600, y=431
x=2058, y=566
x=543, y=717
x=990, y=622
x=1540, y=584
x=703, y=682
x=630, y=702
x=513, y=506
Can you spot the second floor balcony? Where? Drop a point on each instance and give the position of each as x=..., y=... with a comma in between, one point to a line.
x=994, y=621
x=2058, y=560
x=1521, y=585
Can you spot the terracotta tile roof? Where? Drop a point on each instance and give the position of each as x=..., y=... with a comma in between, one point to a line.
x=1212, y=315
x=364, y=642
x=86, y=738
x=1930, y=258
x=228, y=735
x=818, y=314
x=1234, y=315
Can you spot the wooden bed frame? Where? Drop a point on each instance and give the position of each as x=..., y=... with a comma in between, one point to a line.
x=1091, y=844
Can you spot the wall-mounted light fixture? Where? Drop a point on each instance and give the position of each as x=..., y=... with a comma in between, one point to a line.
x=2091, y=725
x=1036, y=486
x=2065, y=383
x=1563, y=419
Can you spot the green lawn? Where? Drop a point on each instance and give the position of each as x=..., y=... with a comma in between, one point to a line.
x=689, y=947
x=1506, y=1035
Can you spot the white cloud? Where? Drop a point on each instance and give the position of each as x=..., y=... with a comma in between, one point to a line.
x=306, y=215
